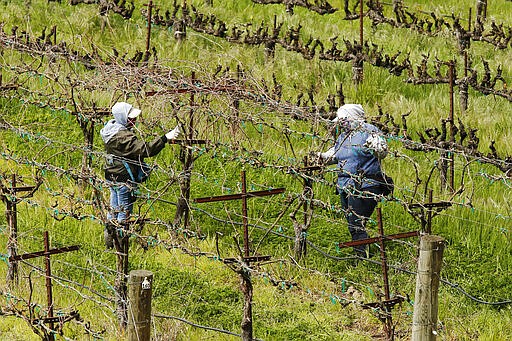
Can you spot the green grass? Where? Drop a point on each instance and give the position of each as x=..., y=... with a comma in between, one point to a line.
x=202, y=289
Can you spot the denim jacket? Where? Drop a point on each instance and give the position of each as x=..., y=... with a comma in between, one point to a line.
x=356, y=163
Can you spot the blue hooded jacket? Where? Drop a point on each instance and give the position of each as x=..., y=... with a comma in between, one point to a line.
x=355, y=161
x=355, y=150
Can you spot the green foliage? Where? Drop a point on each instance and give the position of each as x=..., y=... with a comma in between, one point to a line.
x=190, y=281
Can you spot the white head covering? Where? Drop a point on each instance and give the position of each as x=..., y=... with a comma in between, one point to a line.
x=349, y=112
x=121, y=112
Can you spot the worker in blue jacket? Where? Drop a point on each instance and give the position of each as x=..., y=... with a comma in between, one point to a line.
x=357, y=151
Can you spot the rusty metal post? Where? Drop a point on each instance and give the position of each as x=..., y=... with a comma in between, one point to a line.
x=428, y=230
x=244, y=215
x=384, y=264
x=49, y=293
x=452, y=127
x=244, y=271
x=49, y=336
x=12, y=244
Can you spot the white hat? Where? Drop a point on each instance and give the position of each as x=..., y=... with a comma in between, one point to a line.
x=349, y=112
x=134, y=112
x=123, y=108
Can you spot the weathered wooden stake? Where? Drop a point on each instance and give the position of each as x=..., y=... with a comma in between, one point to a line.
x=247, y=290
x=300, y=247
x=186, y=157
x=121, y=243
x=452, y=126
x=424, y=323
x=148, y=37
x=140, y=284
x=357, y=63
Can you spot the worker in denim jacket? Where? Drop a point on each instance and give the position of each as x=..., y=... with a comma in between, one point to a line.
x=357, y=151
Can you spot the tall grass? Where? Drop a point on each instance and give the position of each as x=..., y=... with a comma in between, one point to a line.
x=202, y=289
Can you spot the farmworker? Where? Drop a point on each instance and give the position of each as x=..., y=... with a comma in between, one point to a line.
x=358, y=151
x=125, y=167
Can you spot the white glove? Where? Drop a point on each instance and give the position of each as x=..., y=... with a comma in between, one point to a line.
x=174, y=134
x=328, y=156
x=378, y=145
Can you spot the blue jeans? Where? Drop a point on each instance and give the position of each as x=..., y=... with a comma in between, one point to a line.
x=359, y=206
x=121, y=202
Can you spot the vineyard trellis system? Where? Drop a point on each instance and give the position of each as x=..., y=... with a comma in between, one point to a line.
x=23, y=81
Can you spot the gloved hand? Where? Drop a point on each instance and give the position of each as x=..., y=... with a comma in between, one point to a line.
x=378, y=145
x=174, y=134
x=326, y=155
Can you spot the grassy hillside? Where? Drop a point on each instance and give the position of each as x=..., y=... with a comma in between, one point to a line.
x=262, y=114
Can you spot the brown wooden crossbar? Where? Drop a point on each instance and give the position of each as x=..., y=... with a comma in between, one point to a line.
x=240, y=196
x=44, y=253
x=188, y=142
x=243, y=196
x=441, y=204
x=22, y=189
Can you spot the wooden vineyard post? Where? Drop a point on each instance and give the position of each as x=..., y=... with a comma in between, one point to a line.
x=446, y=162
x=121, y=243
x=148, y=36
x=427, y=284
x=306, y=203
x=386, y=305
x=463, y=82
x=244, y=270
x=183, y=209
x=8, y=196
x=452, y=126
x=140, y=284
x=50, y=319
x=357, y=63
x=187, y=158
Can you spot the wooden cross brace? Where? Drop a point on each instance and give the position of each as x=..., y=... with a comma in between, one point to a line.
x=46, y=253
x=426, y=217
x=388, y=303
x=243, y=196
x=12, y=221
